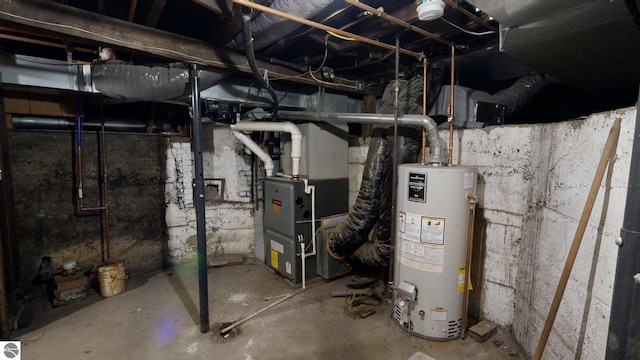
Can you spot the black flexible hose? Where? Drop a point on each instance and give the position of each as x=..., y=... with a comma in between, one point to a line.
x=248, y=49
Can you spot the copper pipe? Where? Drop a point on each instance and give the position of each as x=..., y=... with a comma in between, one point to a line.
x=470, y=15
x=104, y=197
x=105, y=188
x=423, y=152
x=132, y=10
x=451, y=103
x=323, y=27
x=380, y=13
x=467, y=264
x=45, y=43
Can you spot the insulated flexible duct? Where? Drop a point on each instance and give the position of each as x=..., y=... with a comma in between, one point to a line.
x=121, y=80
x=348, y=236
x=374, y=255
x=517, y=95
x=270, y=28
x=349, y=241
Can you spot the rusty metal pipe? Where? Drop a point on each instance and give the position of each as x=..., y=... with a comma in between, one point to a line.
x=104, y=207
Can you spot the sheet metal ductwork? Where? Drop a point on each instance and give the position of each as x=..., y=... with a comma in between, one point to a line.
x=122, y=80
x=475, y=108
x=557, y=37
x=268, y=28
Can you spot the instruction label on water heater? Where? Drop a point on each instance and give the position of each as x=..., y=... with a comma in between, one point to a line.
x=422, y=241
x=432, y=230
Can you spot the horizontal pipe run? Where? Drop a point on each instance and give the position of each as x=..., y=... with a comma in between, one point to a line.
x=323, y=27
x=256, y=149
x=436, y=143
x=380, y=13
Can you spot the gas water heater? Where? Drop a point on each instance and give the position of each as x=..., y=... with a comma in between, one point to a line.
x=434, y=205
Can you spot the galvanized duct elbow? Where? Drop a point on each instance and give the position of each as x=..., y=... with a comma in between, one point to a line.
x=122, y=80
x=270, y=28
x=517, y=95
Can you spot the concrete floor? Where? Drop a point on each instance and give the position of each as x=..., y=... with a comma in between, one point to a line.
x=158, y=318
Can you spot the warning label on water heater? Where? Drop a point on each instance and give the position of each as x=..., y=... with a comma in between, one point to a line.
x=432, y=230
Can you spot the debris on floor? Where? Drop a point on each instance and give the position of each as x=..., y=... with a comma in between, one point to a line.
x=482, y=331
x=361, y=296
x=226, y=260
x=420, y=356
x=69, y=287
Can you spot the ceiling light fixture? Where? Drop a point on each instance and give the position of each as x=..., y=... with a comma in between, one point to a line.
x=430, y=9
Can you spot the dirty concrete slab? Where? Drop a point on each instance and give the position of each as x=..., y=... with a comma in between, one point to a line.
x=158, y=318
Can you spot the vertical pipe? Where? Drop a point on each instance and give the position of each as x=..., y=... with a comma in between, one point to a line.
x=451, y=103
x=394, y=180
x=467, y=264
x=105, y=188
x=624, y=322
x=104, y=197
x=4, y=308
x=423, y=152
x=198, y=194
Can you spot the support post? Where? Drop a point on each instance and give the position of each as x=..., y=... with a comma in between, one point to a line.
x=198, y=200
x=623, y=341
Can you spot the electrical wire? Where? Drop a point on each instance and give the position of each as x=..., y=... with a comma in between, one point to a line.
x=467, y=31
x=340, y=36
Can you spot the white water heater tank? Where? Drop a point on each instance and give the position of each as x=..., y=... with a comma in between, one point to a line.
x=433, y=211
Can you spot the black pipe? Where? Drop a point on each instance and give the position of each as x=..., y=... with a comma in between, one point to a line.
x=624, y=322
x=248, y=49
x=198, y=201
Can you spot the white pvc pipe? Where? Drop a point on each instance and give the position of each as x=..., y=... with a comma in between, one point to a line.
x=286, y=126
x=256, y=149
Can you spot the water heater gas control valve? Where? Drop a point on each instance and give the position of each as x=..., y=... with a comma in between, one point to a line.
x=407, y=291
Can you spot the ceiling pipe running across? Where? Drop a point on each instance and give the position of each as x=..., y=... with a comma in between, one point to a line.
x=323, y=27
x=436, y=143
x=380, y=13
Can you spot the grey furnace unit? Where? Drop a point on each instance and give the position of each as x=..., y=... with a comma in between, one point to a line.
x=287, y=221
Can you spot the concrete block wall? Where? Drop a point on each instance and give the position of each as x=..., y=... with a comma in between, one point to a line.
x=533, y=184
x=229, y=223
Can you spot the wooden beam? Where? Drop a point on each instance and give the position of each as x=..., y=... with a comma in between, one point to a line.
x=220, y=6
x=96, y=29
x=154, y=14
